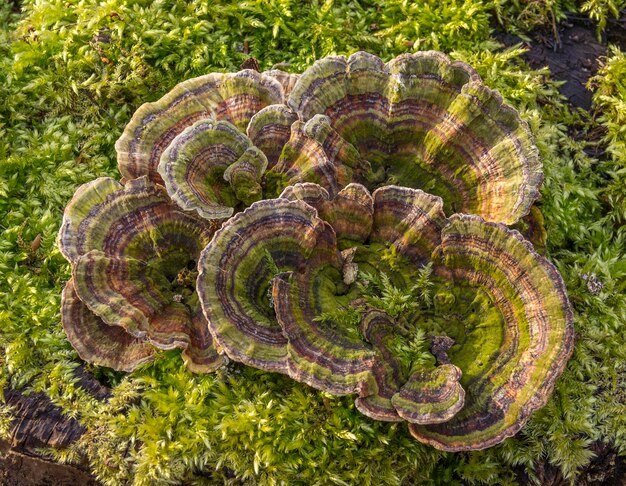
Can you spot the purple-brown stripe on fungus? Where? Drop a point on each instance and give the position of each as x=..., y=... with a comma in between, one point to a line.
x=134, y=256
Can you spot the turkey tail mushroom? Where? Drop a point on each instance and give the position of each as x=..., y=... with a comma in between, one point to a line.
x=233, y=97
x=133, y=253
x=537, y=341
x=428, y=123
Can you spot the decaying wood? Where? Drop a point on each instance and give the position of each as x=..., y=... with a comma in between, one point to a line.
x=20, y=469
x=39, y=424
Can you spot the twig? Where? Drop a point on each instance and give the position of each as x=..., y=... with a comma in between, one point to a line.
x=93, y=101
x=557, y=38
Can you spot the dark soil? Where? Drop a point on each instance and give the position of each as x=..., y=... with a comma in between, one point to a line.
x=573, y=56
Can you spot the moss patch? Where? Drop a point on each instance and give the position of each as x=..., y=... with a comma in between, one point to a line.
x=71, y=75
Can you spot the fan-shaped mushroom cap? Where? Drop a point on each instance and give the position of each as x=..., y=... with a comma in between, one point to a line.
x=350, y=213
x=378, y=329
x=132, y=253
x=236, y=270
x=244, y=175
x=430, y=396
x=97, y=342
x=518, y=375
x=320, y=354
x=316, y=153
x=329, y=357
x=134, y=220
x=211, y=167
x=74, y=241
x=410, y=219
x=286, y=80
x=132, y=294
x=270, y=130
x=234, y=97
x=429, y=123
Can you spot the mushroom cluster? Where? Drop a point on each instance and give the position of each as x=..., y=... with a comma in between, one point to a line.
x=347, y=227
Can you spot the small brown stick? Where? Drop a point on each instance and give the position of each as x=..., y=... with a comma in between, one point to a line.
x=557, y=38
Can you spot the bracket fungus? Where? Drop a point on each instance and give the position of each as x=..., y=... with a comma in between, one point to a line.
x=212, y=167
x=507, y=294
x=418, y=121
x=429, y=123
x=234, y=97
x=97, y=342
x=270, y=130
x=507, y=313
x=236, y=269
x=133, y=256
x=363, y=246
x=316, y=153
x=514, y=356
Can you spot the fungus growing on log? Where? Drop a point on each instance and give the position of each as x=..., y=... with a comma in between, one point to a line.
x=133, y=256
x=430, y=396
x=213, y=168
x=429, y=123
x=410, y=219
x=301, y=300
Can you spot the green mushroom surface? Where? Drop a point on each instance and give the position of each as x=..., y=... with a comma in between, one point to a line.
x=273, y=287
x=346, y=227
x=133, y=255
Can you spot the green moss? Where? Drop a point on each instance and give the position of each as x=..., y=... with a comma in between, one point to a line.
x=407, y=170
x=71, y=75
x=477, y=327
x=519, y=17
x=462, y=312
x=275, y=182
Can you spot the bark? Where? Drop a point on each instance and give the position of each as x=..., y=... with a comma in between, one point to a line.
x=40, y=424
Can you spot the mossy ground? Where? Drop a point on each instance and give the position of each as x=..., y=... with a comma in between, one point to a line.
x=72, y=73
x=423, y=306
